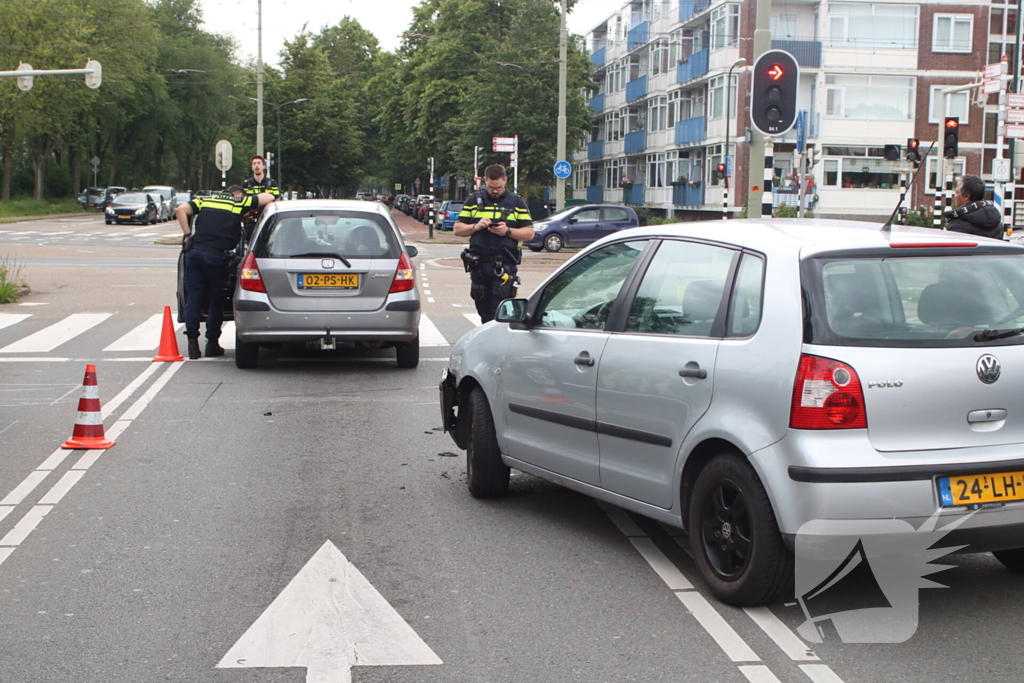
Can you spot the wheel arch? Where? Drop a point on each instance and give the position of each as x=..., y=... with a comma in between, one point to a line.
x=695, y=463
x=462, y=392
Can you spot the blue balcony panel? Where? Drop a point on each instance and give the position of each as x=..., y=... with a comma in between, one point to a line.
x=636, y=142
x=806, y=52
x=637, y=35
x=636, y=88
x=597, y=104
x=595, y=150
x=597, y=57
x=687, y=8
x=694, y=67
x=684, y=195
x=690, y=131
x=595, y=194
x=633, y=195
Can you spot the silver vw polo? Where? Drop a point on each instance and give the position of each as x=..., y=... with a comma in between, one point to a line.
x=328, y=272
x=741, y=379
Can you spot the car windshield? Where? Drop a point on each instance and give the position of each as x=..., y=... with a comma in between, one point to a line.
x=455, y=206
x=182, y=197
x=94, y=192
x=348, y=234
x=130, y=198
x=914, y=301
x=164, y=193
x=560, y=215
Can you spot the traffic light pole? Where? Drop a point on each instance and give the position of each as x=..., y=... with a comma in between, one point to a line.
x=758, y=142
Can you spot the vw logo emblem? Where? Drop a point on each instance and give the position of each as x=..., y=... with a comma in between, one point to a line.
x=327, y=263
x=989, y=368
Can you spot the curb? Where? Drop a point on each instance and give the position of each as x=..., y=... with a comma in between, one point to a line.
x=19, y=219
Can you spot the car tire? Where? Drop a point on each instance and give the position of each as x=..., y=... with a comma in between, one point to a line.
x=536, y=248
x=729, y=501
x=109, y=222
x=1012, y=559
x=247, y=356
x=554, y=242
x=407, y=354
x=486, y=474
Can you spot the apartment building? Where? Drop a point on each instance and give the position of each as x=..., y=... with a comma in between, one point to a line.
x=672, y=97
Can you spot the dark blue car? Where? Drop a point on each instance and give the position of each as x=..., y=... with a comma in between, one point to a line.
x=579, y=226
x=448, y=214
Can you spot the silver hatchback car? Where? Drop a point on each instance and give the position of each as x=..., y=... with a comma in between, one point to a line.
x=328, y=272
x=742, y=379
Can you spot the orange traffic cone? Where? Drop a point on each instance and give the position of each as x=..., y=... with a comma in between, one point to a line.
x=168, y=341
x=88, y=431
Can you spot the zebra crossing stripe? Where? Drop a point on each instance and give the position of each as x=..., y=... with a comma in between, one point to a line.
x=145, y=337
x=49, y=338
x=429, y=334
x=8, y=319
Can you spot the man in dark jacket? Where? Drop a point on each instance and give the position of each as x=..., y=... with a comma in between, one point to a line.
x=973, y=214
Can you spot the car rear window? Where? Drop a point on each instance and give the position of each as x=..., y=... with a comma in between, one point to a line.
x=130, y=198
x=914, y=301
x=351, y=234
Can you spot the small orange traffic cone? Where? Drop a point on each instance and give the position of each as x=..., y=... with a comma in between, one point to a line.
x=168, y=341
x=88, y=431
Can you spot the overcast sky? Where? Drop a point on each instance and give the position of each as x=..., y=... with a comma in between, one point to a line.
x=387, y=19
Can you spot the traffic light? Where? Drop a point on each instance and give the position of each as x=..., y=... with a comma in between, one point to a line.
x=773, y=92
x=721, y=171
x=913, y=149
x=891, y=153
x=951, y=139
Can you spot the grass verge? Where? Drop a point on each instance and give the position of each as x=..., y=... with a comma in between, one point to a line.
x=11, y=283
x=17, y=208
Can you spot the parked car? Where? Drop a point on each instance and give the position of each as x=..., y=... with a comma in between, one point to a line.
x=418, y=209
x=167, y=203
x=740, y=382
x=182, y=198
x=94, y=198
x=364, y=196
x=449, y=213
x=133, y=207
x=327, y=272
x=579, y=226
x=424, y=208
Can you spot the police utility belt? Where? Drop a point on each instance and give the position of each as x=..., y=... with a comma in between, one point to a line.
x=224, y=254
x=507, y=257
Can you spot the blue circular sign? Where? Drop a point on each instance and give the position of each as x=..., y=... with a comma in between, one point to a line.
x=562, y=169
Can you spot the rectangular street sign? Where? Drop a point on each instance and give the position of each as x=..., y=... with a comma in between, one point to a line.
x=1015, y=115
x=504, y=148
x=1015, y=100
x=989, y=87
x=993, y=70
x=503, y=141
x=1013, y=131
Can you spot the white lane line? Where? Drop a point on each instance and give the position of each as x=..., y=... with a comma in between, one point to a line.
x=430, y=299
x=429, y=334
x=719, y=629
x=126, y=393
x=51, y=337
x=795, y=648
x=662, y=566
x=227, y=335
x=60, y=489
x=145, y=337
x=27, y=232
x=622, y=520
x=144, y=400
x=25, y=526
x=8, y=319
x=759, y=673
x=820, y=673
x=5, y=553
x=24, y=488
x=148, y=234
x=5, y=510
x=474, y=318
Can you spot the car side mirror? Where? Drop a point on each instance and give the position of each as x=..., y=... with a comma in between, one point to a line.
x=411, y=251
x=570, y=220
x=511, y=311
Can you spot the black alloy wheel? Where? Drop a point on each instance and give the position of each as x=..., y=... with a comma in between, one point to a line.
x=725, y=530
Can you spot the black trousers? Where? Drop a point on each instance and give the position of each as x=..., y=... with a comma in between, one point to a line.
x=489, y=290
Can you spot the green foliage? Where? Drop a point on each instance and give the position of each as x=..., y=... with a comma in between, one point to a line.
x=786, y=211
x=11, y=282
x=30, y=207
x=920, y=217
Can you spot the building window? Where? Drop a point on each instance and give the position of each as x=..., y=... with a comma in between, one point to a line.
x=658, y=58
x=952, y=32
x=783, y=26
x=870, y=98
x=714, y=159
x=657, y=110
x=957, y=104
x=613, y=127
x=717, y=97
x=859, y=168
x=671, y=163
x=725, y=26
x=932, y=167
x=614, y=78
x=673, y=109
x=863, y=25
x=612, y=173
x=655, y=170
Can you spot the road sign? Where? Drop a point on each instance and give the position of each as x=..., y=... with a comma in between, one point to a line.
x=1001, y=170
x=728, y=166
x=94, y=79
x=398, y=186
x=989, y=87
x=223, y=156
x=504, y=148
x=994, y=70
x=503, y=141
x=562, y=169
x=1015, y=100
x=514, y=160
x=24, y=82
x=95, y=161
x=801, y=133
x=1014, y=131
x=1015, y=115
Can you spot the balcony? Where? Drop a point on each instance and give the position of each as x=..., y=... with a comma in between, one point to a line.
x=595, y=194
x=597, y=104
x=690, y=131
x=595, y=149
x=684, y=195
x=636, y=142
x=633, y=195
x=636, y=88
x=694, y=67
x=687, y=8
x=597, y=57
x=637, y=36
x=806, y=52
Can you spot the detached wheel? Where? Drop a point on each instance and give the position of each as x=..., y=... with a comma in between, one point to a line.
x=247, y=356
x=408, y=354
x=1013, y=559
x=486, y=474
x=734, y=536
x=554, y=242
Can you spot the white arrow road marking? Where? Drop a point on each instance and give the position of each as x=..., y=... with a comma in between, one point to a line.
x=328, y=619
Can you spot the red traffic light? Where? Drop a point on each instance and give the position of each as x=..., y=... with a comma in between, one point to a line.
x=952, y=123
x=721, y=167
x=776, y=72
x=913, y=143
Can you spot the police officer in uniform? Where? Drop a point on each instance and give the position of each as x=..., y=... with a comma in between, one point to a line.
x=259, y=182
x=495, y=220
x=217, y=229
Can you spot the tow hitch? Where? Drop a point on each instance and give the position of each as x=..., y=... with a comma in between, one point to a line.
x=327, y=343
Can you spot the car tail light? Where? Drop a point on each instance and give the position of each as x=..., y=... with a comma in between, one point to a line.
x=405, y=276
x=827, y=395
x=249, y=275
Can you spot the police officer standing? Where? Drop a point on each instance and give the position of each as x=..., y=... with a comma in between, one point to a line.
x=260, y=181
x=216, y=232
x=495, y=220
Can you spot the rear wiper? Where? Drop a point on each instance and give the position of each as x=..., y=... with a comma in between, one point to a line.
x=315, y=254
x=992, y=335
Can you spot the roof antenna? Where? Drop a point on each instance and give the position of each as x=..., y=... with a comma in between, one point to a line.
x=921, y=164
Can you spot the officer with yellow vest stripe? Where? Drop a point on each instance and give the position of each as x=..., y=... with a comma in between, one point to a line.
x=259, y=182
x=216, y=232
x=495, y=221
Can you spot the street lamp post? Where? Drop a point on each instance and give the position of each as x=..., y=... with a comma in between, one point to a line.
x=728, y=125
x=280, y=184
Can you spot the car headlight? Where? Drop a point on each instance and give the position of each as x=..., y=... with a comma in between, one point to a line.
x=110, y=210
x=540, y=227
x=139, y=212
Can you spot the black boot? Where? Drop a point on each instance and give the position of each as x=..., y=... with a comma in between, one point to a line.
x=193, y=349
x=213, y=348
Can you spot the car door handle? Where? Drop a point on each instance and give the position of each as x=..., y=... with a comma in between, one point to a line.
x=695, y=371
x=584, y=359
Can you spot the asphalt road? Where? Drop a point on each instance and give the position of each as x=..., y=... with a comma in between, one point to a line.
x=232, y=495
